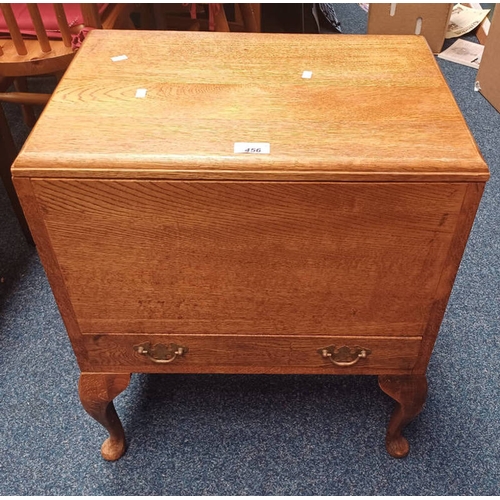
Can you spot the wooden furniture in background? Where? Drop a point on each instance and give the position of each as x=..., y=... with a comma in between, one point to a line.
x=50, y=52
x=246, y=17
x=332, y=252
x=24, y=55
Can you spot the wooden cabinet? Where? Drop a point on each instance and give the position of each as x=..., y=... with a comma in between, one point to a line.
x=333, y=249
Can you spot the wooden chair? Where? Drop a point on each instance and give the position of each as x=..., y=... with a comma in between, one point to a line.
x=39, y=50
x=193, y=17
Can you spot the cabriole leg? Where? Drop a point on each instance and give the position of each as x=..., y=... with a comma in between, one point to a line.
x=97, y=391
x=409, y=392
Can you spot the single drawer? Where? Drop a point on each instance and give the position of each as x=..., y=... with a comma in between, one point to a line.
x=250, y=354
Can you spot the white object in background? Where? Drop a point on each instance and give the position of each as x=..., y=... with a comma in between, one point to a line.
x=464, y=52
x=464, y=19
x=307, y=74
x=141, y=93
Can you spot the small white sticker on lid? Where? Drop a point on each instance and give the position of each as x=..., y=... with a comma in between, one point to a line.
x=141, y=93
x=252, y=148
x=307, y=74
x=119, y=58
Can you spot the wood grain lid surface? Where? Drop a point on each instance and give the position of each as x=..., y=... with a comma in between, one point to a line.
x=374, y=108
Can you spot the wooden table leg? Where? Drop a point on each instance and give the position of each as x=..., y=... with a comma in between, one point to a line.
x=97, y=391
x=410, y=392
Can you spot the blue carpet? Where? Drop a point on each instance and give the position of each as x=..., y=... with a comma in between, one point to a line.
x=258, y=435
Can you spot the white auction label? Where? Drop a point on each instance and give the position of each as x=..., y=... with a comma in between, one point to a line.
x=252, y=147
x=119, y=58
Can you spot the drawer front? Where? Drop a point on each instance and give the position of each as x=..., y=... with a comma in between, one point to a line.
x=250, y=258
x=250, y=354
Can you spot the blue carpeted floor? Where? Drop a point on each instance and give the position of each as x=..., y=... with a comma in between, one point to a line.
x=260, y=435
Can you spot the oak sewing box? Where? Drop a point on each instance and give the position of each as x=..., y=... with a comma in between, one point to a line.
x=251, y=203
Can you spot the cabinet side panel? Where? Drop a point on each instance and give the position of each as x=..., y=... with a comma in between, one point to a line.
x=231, y=258
x=468, y=211
x=34, y=217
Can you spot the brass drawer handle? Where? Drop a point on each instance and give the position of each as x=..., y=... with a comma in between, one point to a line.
x=161, y=353
x=344, y=356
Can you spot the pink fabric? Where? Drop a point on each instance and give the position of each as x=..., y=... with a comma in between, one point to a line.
x=77, y=40
x=73, y=15
x=213, y=9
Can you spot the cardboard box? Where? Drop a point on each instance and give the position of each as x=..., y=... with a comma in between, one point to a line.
x=488, y=75
x=427, y=19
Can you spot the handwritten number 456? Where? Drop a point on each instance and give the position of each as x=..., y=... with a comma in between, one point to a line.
x=253, y=150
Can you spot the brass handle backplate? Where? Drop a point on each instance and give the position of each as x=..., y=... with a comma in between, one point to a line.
x=344, y=356
x=161, y=353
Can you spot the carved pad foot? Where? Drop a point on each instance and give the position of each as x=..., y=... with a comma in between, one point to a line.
x=97, y=391
x=113, y=449
x=409, y=392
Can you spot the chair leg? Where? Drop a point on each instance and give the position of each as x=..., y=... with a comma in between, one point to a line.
x=8, y=147
x=159, y=17
x=21, y=85
x=220, y=19
x=249, y=17
x=146, y=16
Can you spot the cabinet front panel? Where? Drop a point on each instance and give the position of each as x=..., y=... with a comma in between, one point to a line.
x=250, y=258
x=250, y=354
